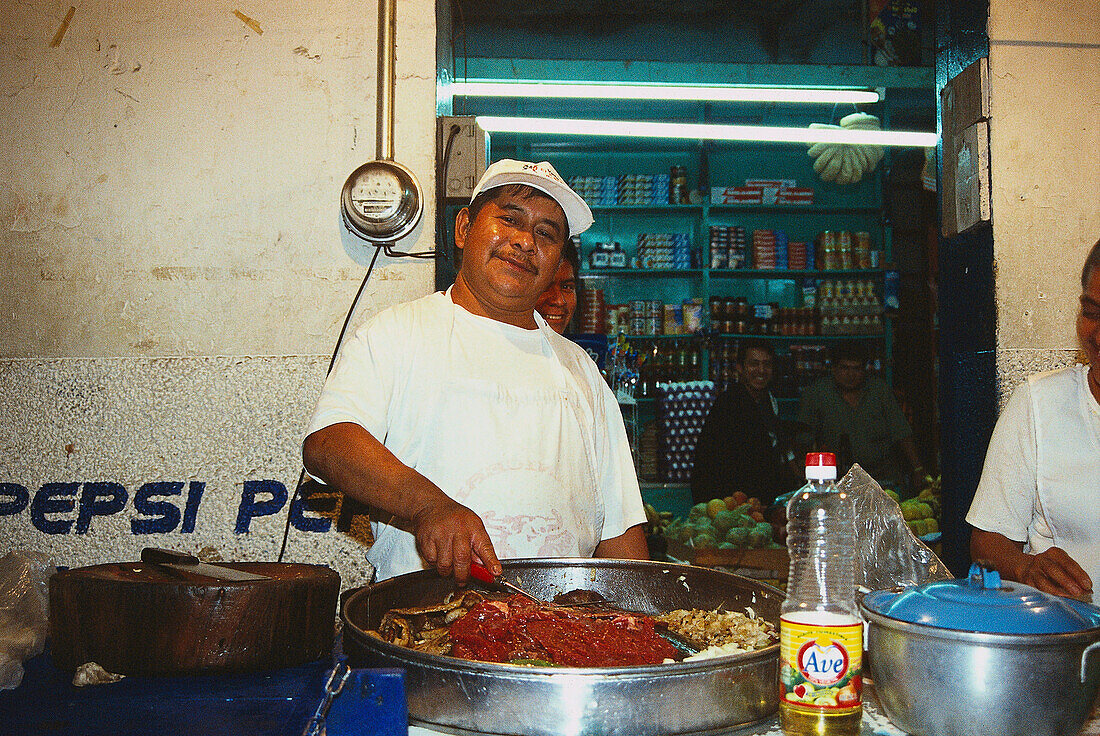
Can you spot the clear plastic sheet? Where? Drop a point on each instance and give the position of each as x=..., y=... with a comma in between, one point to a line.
x=888, y=553
x=24, y=611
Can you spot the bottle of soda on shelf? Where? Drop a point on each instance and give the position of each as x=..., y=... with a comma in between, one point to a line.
x=820, y=631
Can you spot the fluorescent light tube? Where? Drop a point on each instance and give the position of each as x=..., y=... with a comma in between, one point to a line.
x=704, y=131
x=687, y=92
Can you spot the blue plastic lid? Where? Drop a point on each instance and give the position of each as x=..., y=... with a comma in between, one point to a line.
x=983, y=603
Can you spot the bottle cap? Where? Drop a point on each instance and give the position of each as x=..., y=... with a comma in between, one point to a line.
x=820, y=466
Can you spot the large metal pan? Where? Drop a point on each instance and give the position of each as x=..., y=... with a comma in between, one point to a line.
x=459, y=696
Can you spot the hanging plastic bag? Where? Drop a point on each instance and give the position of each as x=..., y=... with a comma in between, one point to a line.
x=24, y=611
x=888, y=553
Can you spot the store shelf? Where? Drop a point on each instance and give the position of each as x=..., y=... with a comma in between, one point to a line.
x=663, y=272
x=793, y=209
x=733, y=273
x=799, y=338
x=679, y=336
x=694, y=72
x=774, y=273
x=674, y=497
x=682, y=209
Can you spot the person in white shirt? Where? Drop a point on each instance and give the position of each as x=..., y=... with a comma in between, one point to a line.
x=1036, y=511
x=472, y=429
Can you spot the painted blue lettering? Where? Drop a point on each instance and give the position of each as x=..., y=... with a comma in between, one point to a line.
x=91, y=503
x=19, y=496
x=306, y=498
x=190, y=512
x=53, y=498
x=250, y=508
x=166, y=515
x=349, y=509
x=812, y=665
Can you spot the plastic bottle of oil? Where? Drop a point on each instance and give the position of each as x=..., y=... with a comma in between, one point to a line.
x=820, y=631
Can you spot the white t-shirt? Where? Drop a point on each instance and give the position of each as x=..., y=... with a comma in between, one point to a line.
x=516, y=424
x=1041, y=481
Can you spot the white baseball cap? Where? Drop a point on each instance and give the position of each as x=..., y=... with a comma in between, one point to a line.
x=543, y=177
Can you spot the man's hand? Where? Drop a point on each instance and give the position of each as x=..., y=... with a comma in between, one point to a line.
x=352, y=460
x=449, y=536
x=1054, y=571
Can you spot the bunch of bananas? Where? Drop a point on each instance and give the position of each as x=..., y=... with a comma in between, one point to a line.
x=844, y=163
x=656, y=521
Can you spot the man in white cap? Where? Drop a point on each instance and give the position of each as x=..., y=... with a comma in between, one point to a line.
x=472, y=429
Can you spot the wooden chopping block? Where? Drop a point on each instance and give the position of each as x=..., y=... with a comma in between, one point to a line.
x=138, y=618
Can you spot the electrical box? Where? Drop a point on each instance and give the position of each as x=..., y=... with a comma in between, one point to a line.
x=462, y=153
x=966, y=170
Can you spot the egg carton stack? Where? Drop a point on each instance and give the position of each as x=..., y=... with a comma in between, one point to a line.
x=681, y=409
x=647, y=452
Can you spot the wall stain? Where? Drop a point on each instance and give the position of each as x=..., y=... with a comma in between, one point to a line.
x=114, y=63
x=304, y=53
x=209, y=273
x=391, y=274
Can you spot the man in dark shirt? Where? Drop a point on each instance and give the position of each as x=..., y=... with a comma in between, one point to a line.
x=855, y=415
x=739, y=448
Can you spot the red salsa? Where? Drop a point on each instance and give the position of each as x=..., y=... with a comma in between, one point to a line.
x=520, y=629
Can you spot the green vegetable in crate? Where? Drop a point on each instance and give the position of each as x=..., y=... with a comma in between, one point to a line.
x=738, y=536
x=697, y=511
x=913, y=509
x=704, y=541
x=672, y=530
x=685, y=533
x=724, y=521
x=760, y=535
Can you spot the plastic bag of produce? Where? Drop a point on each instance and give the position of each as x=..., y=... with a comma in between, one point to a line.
x=24, y=611
x=888, y=553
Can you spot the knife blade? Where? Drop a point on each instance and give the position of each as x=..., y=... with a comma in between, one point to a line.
x=184, y=562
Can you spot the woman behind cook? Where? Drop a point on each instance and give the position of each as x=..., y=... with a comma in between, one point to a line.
x=1035, y=513
x=558, y=303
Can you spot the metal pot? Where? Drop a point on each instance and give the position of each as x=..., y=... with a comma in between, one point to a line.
x=1033, y=671
x=467, y=697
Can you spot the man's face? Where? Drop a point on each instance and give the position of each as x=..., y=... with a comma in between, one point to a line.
x=849, y=374
x=757, y=369
x=559, y=301
x=1088, y=320
x=511, y=251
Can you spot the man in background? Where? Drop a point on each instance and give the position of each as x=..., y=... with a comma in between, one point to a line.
x=856, y=416
x=741, y=446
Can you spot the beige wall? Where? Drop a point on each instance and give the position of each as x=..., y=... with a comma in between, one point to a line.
x=1044, y=65
x=173, y=271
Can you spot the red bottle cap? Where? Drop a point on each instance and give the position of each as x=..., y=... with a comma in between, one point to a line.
x=820, y=459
